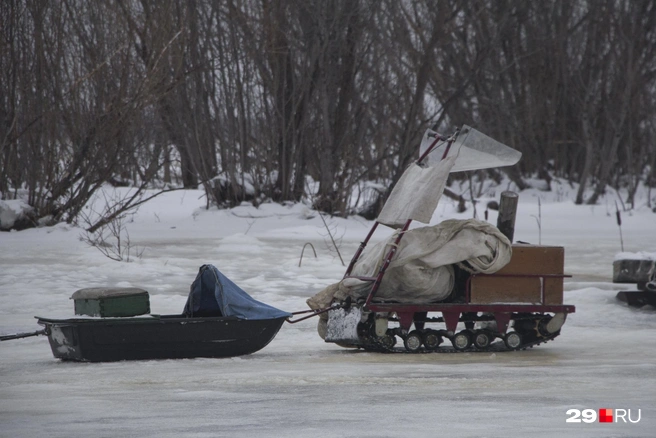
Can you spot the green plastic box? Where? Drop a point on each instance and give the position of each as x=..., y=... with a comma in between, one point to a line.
x=111, y=301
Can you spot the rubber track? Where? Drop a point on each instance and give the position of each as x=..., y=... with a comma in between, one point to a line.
x=495, y=347
x=373, y=345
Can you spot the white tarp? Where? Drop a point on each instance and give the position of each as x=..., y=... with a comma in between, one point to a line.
x=416, y=194
x=421, y=270
x=419, y=189
x=473, y=149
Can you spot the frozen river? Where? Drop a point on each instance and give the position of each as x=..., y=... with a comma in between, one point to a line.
x=299, y=385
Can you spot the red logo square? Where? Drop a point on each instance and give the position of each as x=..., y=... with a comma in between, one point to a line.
x=605, y=415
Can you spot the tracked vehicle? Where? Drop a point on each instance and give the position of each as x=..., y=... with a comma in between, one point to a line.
x=459, y=281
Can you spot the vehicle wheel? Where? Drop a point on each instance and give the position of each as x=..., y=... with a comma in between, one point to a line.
x=431, y=339
x=513, y=340
x=554, y=324
x=482, y=340
x=462, y=340
x=388, y=341
x=413, y=341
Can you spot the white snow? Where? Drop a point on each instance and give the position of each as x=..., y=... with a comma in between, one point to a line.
x=298, y=385
x=11, y=210
x=640, y=255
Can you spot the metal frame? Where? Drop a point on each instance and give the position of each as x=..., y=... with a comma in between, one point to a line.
x=451, y=312
x=379, y=277
x=388, y=258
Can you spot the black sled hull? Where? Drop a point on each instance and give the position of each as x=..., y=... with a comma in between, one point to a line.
x=157, y=337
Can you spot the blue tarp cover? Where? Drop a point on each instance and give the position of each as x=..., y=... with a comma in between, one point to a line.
x=213, y=294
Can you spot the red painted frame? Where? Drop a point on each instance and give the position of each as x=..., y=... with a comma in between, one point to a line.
x=388, y=258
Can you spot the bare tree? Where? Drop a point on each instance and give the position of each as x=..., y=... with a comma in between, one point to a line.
x=259, y=99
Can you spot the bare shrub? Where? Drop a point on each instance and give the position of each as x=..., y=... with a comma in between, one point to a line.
x=111, y=238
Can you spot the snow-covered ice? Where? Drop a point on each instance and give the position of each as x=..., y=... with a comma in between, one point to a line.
x=299, y=385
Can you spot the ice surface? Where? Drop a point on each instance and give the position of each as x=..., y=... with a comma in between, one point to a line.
x=298, y=385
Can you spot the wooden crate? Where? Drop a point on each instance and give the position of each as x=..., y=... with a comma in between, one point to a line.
x=526, y=260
